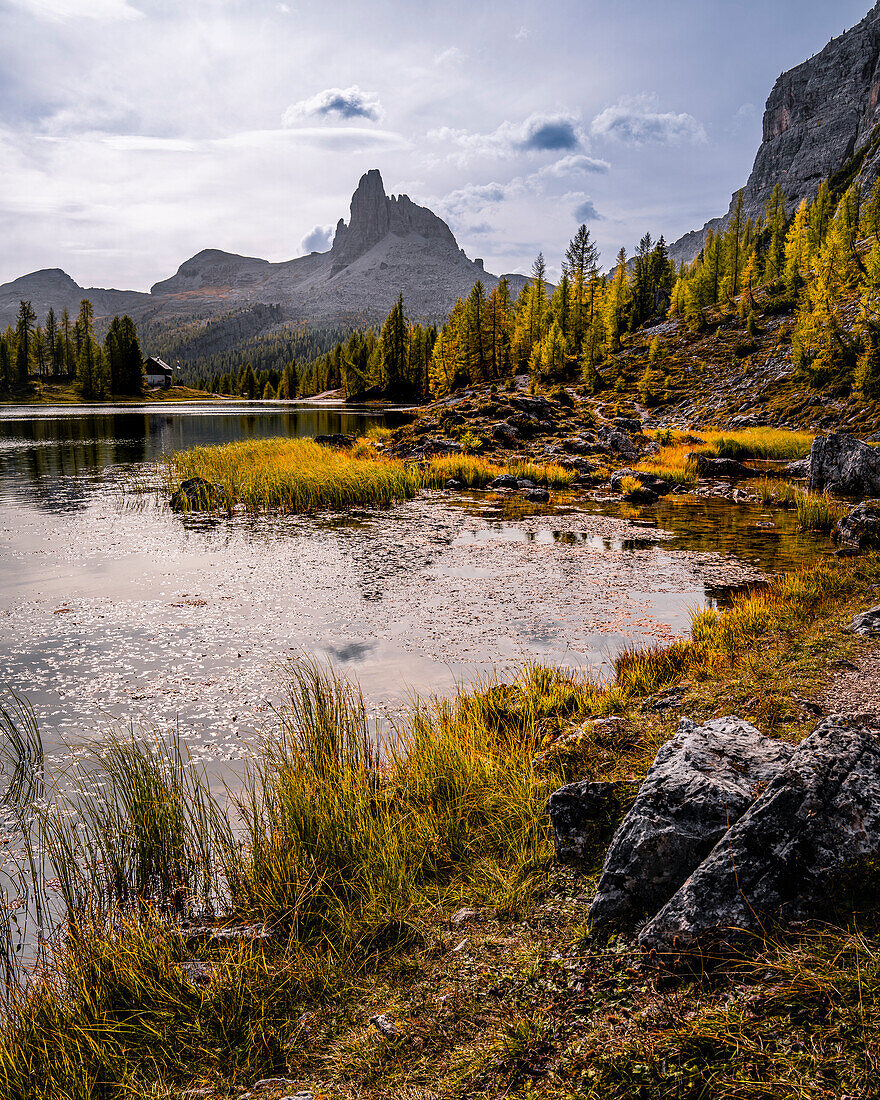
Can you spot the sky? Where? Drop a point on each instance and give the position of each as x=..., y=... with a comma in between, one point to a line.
x=134, y=133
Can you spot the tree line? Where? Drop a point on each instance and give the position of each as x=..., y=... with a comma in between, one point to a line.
x=62, y=349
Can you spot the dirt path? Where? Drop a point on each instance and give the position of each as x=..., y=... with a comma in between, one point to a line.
x=855, y=691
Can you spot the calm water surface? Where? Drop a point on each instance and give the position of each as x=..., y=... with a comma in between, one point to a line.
x=113, y=609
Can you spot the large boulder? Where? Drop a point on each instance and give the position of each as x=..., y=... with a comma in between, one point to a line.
x=843, y=464
x=701, y=781
x=860, y=528
x=198, y=495
x=792, y=855
x=725, y=468
x=617, y=441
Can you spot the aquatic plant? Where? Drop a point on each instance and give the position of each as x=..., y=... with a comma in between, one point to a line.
x=296, y=475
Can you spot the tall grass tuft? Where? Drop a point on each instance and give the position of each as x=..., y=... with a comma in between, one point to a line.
x=296, y=475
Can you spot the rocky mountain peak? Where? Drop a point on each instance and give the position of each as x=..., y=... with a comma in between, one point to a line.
x=375, y=215
x=820, y=116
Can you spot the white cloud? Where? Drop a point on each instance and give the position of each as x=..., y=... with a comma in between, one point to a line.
x=61, y=10
x=284, y=9
x=522, y=34
x=451, y=56
x=318, y=239
x=338, y=103
x=637, y=120
x=575, y=165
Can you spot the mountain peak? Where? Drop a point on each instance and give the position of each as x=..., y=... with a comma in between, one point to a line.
x=375, y=215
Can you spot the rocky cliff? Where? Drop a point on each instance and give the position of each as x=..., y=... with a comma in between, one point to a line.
x=819, y=120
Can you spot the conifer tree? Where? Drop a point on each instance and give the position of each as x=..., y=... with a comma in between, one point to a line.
x=774, y=265
x=395, y=344
x=24, y=329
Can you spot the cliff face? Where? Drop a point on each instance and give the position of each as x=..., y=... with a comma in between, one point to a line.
x=819, y=115
x=375, y=215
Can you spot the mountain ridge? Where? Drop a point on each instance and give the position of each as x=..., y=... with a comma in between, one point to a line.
x=390, y=245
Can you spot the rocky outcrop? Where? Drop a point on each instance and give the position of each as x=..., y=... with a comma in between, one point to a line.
x=860, y=529
x=841, y=463
x=389, y=246
x=867, y=623
x=375, y=215
x=701, y=781
x=819, y=117
x=792, y=855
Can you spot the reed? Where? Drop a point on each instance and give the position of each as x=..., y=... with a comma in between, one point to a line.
x=296, y=475
x=762, y=443
x=471, y=470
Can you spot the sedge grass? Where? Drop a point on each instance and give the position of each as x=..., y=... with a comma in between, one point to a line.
x=296, y=475
x=672, y=462
x=815, y=511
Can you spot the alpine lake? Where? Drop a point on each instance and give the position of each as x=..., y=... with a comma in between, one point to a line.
x=116, y=612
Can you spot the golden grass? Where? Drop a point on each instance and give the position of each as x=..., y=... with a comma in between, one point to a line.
x=672, y=464
x=296, y=475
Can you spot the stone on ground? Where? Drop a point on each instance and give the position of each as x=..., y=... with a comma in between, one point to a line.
x=701, y=781
x=791, y=854
x=840, y=463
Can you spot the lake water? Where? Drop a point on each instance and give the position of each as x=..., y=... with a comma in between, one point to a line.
x=115, y=610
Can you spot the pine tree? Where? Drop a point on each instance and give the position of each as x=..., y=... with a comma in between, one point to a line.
x=797, y=249
x=24, y=329
x=617, y=303
x=774, y=265
x=734, y=241
x=395, y=344
x=52, y=346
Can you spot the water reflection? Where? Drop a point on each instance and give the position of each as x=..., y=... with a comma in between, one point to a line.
x=57, y=458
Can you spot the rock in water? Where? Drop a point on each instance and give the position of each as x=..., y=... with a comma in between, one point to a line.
x=861, y=528
x=701, y=781
x=843, y=464
x=721, y=467
x=786, y=857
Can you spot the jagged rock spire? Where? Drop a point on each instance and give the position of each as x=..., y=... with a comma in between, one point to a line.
x=374, y=215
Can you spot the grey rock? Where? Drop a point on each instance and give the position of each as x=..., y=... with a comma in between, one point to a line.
x=800, y=468
x=337, y=440
x=860, y=528
x=818, y=117
x=505, y=432
x=701, y=780
x=504, y=481
x=538, y=496
x=867, y=623
x=843, y=464
x=454, y=483
x=385, y=1027
x=582, y=813
x=706, y=467
x=627, y=424
x=618, y=442
x=790, y=853
x=198, y=495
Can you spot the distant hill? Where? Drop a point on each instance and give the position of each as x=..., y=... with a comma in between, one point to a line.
x=389, y=246
x=820, y=121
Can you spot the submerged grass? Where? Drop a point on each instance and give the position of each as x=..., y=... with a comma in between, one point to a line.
x=815, y=511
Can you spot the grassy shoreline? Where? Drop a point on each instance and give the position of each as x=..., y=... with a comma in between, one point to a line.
x=357, y=864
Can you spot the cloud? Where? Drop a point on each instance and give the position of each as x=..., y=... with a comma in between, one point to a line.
x=318, y=240
x=586, y=211
x=284, y=9
x=636, y=120
x=522, y=34
x=476, y=196
x=108, y=11
x=339, y=103
x=549, y=133
x=575, y=166
x=539, y=133
x=451, y=56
